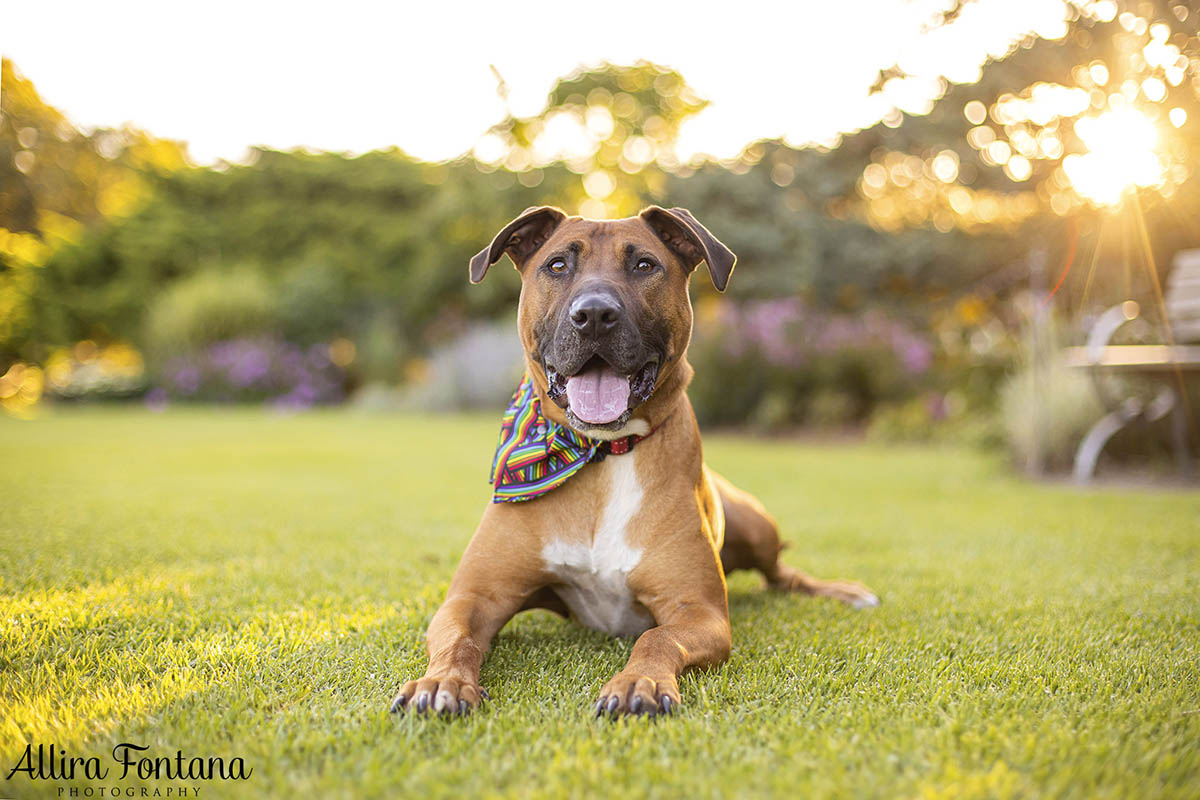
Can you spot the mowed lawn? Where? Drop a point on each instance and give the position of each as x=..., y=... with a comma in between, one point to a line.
x=239, y=583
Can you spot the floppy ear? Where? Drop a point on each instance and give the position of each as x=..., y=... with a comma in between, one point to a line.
x=692, y=242
x=519, y=239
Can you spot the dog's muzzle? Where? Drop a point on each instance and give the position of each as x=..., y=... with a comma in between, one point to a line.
x=599, y=364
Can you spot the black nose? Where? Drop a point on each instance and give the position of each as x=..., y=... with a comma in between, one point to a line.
x=594, y=313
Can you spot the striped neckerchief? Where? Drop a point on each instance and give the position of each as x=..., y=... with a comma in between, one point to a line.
x=535, y=454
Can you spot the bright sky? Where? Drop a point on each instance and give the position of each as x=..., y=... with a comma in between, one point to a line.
x=356, y=76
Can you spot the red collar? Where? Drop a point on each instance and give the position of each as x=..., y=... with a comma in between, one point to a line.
x=619, y=447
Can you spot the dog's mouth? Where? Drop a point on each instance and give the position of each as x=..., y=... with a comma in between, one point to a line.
x=600, y=396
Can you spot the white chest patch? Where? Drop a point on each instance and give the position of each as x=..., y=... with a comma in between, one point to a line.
x=594, y=578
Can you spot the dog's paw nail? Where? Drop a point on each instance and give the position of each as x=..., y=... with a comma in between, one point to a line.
x=599, y=707
x=613, y=702
x=422, y=702
x=399, y=703
x=667, y=706
x=636, y=706
x=484, y=694
x=464, y=707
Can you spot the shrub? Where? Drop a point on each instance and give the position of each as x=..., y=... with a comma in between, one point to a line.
x=381, y=349
x=479, y=369
x=243, y=370
x=779, y=362
x=314, y=303
x=917, y=420
x=936, y=417
x=89, y=371
x=1047, y=409
x=211, y=306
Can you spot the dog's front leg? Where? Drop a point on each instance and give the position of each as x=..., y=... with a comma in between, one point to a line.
x=488, y=588
x=690, y=635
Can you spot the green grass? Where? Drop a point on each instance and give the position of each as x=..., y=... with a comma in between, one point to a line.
x=244, y=584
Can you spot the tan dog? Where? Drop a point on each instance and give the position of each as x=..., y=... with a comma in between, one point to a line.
x=636, y=544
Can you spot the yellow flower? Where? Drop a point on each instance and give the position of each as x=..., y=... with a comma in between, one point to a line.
x=21, y=388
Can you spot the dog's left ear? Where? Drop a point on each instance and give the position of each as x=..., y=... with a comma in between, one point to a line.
x=692, y=242
x=519, y=238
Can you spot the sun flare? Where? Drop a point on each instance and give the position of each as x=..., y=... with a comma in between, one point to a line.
x=1121, y=154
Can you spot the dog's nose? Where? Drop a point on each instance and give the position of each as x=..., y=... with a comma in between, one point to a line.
x=594, y=314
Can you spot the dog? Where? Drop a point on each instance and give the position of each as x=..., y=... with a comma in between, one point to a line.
x=603, y=508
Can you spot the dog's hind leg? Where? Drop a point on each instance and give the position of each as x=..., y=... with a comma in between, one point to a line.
x=752, y=542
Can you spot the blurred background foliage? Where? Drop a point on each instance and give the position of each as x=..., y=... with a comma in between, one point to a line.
x=886, y=279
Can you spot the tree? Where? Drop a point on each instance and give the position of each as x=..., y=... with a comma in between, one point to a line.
x=613, y=125
x=49, y=167
x=55, y=182
x=372, y=246
x=1076, y=141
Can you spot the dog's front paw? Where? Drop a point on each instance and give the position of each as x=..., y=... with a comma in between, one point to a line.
x=442, y=695
x=635, y=693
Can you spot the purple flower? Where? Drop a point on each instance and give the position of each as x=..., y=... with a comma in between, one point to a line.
x=187, y=379
x=246, y=364
x=916, y=355
x=156, y=399
x=318, y=356
x=787, y=333
x=273, y=370
x=937, y=406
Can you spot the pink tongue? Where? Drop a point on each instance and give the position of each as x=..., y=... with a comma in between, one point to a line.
x=598, y=395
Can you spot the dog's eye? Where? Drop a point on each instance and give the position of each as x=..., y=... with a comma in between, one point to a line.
x=644, y=265
x=557, y=266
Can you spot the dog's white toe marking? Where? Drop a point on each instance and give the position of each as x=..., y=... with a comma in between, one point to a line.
x=867, y=601
x=443, y=700
x=594, y=578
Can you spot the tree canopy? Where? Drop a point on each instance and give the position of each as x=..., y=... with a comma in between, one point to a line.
x=914, y=209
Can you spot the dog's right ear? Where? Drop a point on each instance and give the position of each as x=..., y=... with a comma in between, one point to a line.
x=519, y=239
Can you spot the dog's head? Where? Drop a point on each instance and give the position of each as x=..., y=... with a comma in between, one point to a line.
x=605, y=317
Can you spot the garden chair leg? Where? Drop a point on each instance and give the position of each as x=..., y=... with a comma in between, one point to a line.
x=1179, y=439
x=1093, y=443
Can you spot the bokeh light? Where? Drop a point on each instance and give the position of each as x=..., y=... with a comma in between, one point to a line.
x=1109, y=125
x=1121, y=153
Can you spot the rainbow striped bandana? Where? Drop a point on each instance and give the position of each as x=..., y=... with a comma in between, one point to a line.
x=535, y=455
